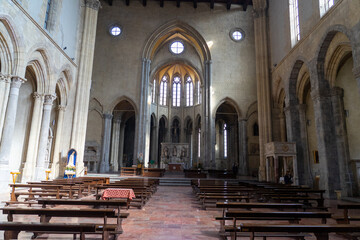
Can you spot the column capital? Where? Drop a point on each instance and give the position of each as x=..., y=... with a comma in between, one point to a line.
x=94, y=4
x=259, y=8
x=16, y=81
x=61, y=108
x=49, y=98
x=107, y=116
x=5, y=77
x=242, y=120
x=37, y=95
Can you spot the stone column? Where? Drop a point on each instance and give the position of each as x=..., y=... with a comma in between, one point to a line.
x=4, y=95
x=33, y=143
x=9, y=123
x=115, y=144
x=143, y=123
x=325, y=128
x=337, y=99
x=262, y=78
x=243, y=160
x=84, y=82
x=104, y=165
x=207, y=121
x=303, y=165
x=55, y=167
x=121, y=147
x=41, y=165
x=296, y=132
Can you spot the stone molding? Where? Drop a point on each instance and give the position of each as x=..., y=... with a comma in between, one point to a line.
x=356, y=71
x=61, y=108
x=5, y=77
x=94, y=4
x=37, y=95
x=16, y=81
x=49, y=98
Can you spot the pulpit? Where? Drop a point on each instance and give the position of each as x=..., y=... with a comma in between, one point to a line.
x=280, y=157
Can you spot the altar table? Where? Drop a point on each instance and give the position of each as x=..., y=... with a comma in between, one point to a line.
x=117, y=193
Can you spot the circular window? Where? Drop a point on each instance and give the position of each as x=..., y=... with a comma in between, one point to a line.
x=177, y=47
x=115, y=31
x=237, y=34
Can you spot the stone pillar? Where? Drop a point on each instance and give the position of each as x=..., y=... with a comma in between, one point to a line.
x=143, y=124
x=262, y=79
x=8, y=131
x=243, y=160
x=4, y=95
x=41, y=165
x=328, y=157
x=346, y=179
x=56, y=167
x=104, y=164
x=84, y=82
x=207, y=121
x=121, y=147
x=154, y=143
x=296, y=132
x=33, y=143
x=115, y=144
x=303, y=165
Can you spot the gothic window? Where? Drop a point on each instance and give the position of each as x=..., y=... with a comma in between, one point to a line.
x=47, y=15
x=153, y=91
x=189, y=92
x=199, y=141
x=325, y=5
x=163, y=87
x=225, y=140
x=176, y=92
x=294, y=21
x=198, y=93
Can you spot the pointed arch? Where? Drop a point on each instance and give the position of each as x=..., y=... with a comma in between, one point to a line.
x=176, y=27
x=10, y=54
x=231, y=102
x=120, y=99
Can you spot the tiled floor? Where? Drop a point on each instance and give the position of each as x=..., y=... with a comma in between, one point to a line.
x=171, y=213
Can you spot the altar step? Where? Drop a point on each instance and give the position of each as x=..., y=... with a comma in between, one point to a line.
x=174, y=182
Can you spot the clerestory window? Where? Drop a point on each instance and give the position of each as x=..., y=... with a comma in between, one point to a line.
x=225, y=140
x=47, y=15
x=176, y=96
x=163, y=88
x=294, y=21
x=325, y=5
x=153, y=92
x=189, y=92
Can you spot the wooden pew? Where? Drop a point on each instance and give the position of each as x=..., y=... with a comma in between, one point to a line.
x=47, y=213
x=231, y=198
x=14, y=195
x=128, y=171
x=345, y=219
x=12, y=229
x=320, y=231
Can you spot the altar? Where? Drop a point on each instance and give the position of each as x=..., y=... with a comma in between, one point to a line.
x=175, y=156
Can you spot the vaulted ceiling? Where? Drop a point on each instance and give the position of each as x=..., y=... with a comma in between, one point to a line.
x=227, y=3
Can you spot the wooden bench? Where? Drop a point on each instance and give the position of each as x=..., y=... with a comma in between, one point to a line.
x=14, y=195
x=305, y=199
x=237, y=198
x=153, y=172
x=128, y=171
x=12, y=229
x=47, y=213
x=320, y=231
x=346, y=219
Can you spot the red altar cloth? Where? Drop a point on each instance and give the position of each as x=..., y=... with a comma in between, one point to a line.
x=118, y=193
